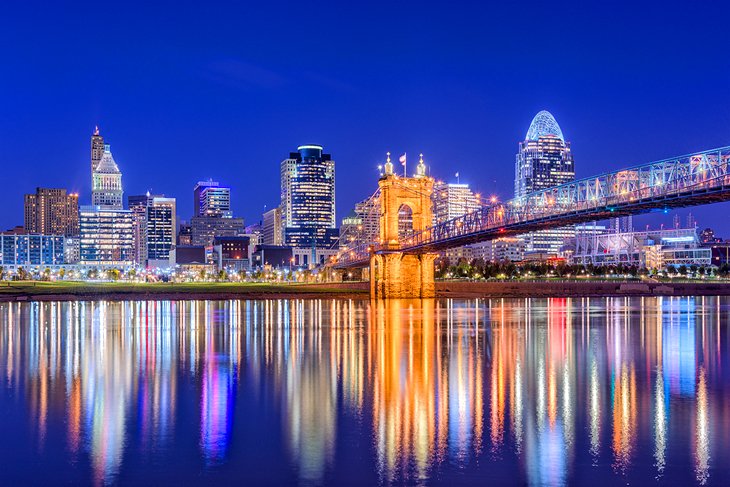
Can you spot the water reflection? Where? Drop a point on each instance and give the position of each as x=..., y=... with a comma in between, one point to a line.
x=545, y=391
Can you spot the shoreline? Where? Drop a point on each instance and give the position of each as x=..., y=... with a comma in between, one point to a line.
x=73, y=291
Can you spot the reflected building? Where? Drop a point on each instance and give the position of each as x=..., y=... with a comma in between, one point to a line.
x=560, y=388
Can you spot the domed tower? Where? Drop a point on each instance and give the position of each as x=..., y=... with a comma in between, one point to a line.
x=106, y=190
x=544, y=160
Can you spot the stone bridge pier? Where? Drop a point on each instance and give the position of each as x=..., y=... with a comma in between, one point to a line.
x=405, y=209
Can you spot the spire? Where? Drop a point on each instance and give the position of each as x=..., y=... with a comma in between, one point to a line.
x=388, y=165
x=96, y=130
x=420, y=168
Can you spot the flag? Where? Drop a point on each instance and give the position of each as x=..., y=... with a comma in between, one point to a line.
x=402, y=159
x=456, y=175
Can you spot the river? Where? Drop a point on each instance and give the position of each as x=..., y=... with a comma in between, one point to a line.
x=357, y=392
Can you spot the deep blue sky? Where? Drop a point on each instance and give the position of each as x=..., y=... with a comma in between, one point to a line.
x=224, y=90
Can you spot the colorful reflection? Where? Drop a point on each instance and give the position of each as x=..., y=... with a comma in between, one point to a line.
x=530, y=391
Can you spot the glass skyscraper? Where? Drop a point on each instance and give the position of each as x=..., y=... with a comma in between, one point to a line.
x=107, y=237
x=308, y=198
x=161, y=231
x=544, y=160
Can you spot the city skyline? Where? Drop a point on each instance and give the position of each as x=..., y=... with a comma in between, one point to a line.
x=224, y=110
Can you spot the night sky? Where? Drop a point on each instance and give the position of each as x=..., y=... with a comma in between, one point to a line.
x=185, y=92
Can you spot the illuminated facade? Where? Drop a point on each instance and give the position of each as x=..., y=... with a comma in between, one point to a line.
x=107, y=183
x=211, y=199
x=273, y=231
x=97, y=150
x=653, y=249
x=205, y=228
x=544, y=160
x=107, y=237
x=138, y=206
x=452, y=200
x=52, y=211
x=161, y=226
x=32, y=250
x=308, y=198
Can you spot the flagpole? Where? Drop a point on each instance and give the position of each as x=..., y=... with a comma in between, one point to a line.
x=405, y=163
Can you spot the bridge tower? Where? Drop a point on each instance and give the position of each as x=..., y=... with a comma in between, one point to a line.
x=405, y=208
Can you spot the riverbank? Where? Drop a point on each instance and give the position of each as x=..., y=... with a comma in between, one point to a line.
x=120, y=291
x=563, y=289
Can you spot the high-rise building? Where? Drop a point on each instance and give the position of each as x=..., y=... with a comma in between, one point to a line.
x=368, y=211
x=205, y=228
x=211, y=199
x=544, y=160
x=107, y=237
x=137, y=204
x=351, y=231
x=308, y=198
x=452, y=200
x=107, y=183
x=272, y=227
x=161, y=234
x=52, y=211
x=97, y=150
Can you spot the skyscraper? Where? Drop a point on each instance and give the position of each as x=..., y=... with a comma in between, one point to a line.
x=97, y=149
x=272, y=227
x=52, y=211
x=161, y=231
x=107, y=183
x=308, y=198
x=137, y=205
x=211, y=199
x=452, y=200
x=544, y=160
x=106, y=237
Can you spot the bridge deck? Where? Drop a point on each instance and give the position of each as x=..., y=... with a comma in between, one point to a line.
x=690, y=180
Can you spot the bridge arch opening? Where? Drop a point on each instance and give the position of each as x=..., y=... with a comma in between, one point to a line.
x=405, y=221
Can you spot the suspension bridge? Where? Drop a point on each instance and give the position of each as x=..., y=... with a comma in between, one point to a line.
x=402, y=265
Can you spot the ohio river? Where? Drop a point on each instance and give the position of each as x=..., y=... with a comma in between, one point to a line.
x=354, y=392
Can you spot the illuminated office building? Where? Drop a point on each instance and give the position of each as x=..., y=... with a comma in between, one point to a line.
x=31, y=250
x=204, y=229
x=52, y=211
x=544, y=160
x=106, y=190
x=97, y=150
x=211, y=199
x=161, y=231
x=107, y=237
x=272, y=227
x=137, y=204
x=452, y=200
x=308, y=198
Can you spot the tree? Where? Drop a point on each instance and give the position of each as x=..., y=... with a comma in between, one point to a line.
x=61, y=273
x=113, y=274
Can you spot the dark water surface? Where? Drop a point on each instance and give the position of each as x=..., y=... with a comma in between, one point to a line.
x=524, y=391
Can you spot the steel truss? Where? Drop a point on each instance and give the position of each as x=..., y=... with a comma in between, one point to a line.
x=689, y=180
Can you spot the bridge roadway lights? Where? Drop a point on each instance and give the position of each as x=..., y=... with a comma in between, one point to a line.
x=395, y=275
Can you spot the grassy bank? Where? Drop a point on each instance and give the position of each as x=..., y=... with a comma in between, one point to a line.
x=15, y=290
